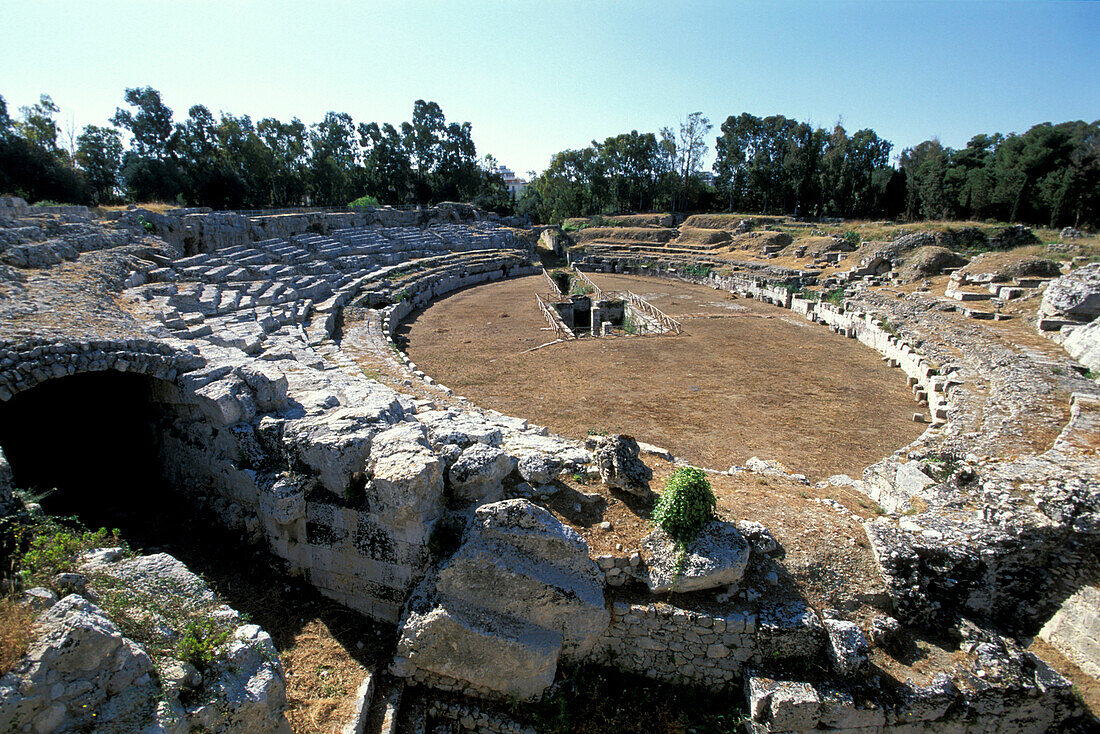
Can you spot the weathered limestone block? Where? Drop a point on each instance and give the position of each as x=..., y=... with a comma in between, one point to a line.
x=222, y=401
x=285, y=502
x=847, y=647
x=519, y=660
x=334, y=445
x=1083, y=344
x=406, y=476
x=1075, y=629
x=479, y=472
x=759, y=537
x=793, y=706
x=717, y=556
x=840, y=711
x=571, y=455
x=520, y=561
x=1075, y=296
x=155, y=574
x=520, y=592
x=539, y=468
x=911, y=480
x=249, y=685
x=791, y=630
x=461, y=429
x=268, y=385
x=619, y=464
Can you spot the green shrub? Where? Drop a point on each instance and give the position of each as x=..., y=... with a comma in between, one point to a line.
x=55, y=550
x=686, y=505
x=886, y=326
x=365, y=202
x=580, y=288
x=629, y=327
x=851, y=237
x=697, y=270
x=835, y=297
x=200, y=642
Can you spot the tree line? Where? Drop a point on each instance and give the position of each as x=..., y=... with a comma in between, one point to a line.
x=230, y=162
x=629, y=172
x=1049, y=175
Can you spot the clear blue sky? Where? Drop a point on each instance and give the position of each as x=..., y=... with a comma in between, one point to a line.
x=537, y=77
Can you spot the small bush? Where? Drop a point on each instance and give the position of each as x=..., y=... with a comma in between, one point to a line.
x=851, y=237
x=55, y=550
x=686, y=505
x=886, y=326
x=364, y=202
x=835, y=297
x=580, y=288
x=200, y=643
x=697, y=270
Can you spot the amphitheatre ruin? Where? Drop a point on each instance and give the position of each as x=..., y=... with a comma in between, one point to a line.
x=452, y=428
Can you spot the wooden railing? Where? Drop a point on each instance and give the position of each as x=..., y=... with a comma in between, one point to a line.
x=588, y=281
x=653, y=312
x=553, y=284
x=554, y=319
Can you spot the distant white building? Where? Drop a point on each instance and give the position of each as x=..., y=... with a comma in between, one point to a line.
x=515, y=184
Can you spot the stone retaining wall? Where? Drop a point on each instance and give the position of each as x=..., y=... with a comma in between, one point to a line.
x=667, y=643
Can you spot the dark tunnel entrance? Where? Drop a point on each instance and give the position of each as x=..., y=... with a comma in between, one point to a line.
x=92, y=437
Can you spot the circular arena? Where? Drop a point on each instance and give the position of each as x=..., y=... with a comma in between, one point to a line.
x=743, y=379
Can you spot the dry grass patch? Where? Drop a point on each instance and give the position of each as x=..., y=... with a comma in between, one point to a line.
x=729, y=221
x=693, y=236
x=755, y=242
x=16, y=632
x=160, y=207
x=623, y=234
x=1032, y=260
x=321, y=679
x=644, y=220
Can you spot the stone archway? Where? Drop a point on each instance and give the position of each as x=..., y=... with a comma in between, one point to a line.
x=92, y=436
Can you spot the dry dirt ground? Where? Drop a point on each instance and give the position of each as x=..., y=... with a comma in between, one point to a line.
x=744, y=379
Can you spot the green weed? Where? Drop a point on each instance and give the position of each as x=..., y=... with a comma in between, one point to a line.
x=686, y=505
x=200, y=642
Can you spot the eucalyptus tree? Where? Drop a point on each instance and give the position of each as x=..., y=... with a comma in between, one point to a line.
x=99, y=153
